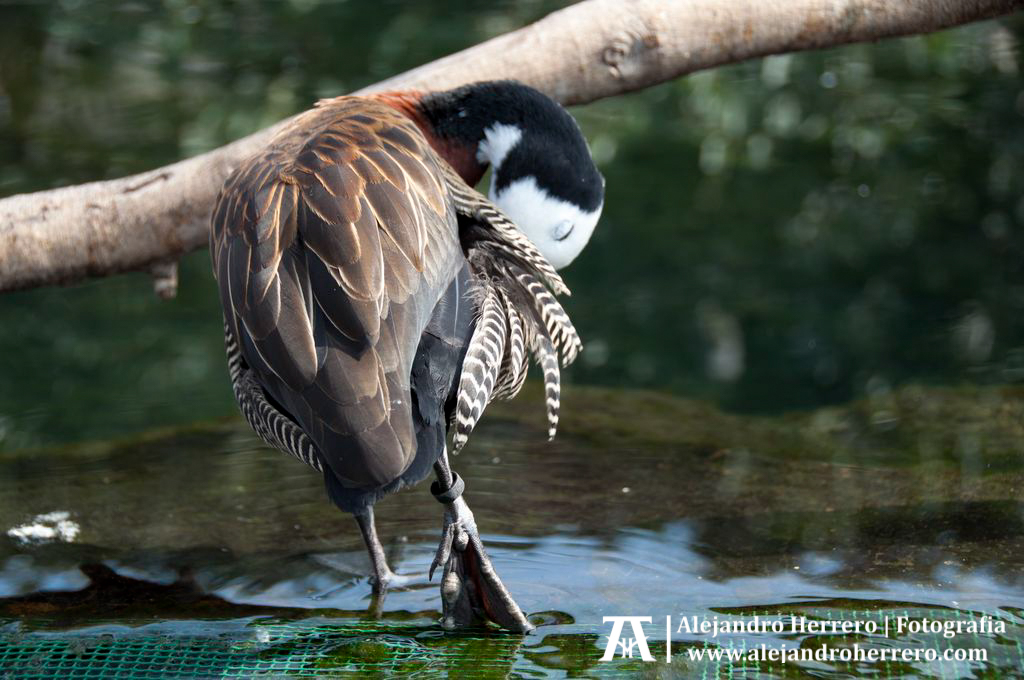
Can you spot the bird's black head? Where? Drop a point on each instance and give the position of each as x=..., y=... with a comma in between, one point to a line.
x=542, y=174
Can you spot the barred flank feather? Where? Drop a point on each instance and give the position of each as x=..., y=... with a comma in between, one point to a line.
x=272, y=426
x=480, y=367
x=516, y=361
x=544, y=351
x=519, y=313
x=560, y=329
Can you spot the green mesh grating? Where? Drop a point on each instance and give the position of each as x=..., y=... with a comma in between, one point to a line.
x=382, y=649
x=292, y=650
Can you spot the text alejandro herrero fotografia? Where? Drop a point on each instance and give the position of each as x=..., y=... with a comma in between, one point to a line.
x=802, y=625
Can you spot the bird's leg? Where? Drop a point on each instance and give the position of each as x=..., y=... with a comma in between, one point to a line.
x=470, y=586
x=382, y=574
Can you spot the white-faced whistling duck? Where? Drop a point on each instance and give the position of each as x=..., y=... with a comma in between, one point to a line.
x=373, y=300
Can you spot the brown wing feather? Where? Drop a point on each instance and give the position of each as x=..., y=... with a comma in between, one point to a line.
x=331, y=250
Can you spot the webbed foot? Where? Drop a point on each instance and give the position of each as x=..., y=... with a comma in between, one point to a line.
x=470, y=587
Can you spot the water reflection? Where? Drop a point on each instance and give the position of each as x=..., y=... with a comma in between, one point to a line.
x=208, y=526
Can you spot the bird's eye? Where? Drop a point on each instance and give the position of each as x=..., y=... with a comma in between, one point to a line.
x=562, y=230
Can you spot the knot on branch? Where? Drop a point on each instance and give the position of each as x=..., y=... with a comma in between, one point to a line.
x=629, y=50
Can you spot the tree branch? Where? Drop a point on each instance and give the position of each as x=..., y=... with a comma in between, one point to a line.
x=596, y=49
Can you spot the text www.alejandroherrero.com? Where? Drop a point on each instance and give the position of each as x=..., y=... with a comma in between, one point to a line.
x=852, y=653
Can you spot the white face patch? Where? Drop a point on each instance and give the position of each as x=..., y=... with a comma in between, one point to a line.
x=559, y=229
x=498, y=140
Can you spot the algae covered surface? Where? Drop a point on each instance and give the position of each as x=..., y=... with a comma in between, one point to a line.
x=204, y=544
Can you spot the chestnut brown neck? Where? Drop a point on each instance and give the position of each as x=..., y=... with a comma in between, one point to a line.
x=459, y=154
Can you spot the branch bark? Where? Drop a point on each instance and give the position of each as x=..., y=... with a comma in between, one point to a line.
x=596, y=49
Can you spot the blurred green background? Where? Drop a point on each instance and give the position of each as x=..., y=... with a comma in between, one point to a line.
x=778, y=235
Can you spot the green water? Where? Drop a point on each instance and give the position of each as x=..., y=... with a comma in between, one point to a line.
x=204, y=541
x=821, y=254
